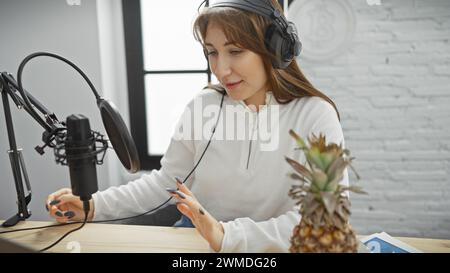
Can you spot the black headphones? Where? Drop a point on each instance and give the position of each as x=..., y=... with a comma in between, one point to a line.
x=281, y=36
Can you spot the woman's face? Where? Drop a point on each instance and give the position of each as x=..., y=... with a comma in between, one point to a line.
x=239, y=70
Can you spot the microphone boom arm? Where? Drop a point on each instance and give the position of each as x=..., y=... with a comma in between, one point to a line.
x=16, y=159
x=55, y=134
x=11, y=87
x=51, y=125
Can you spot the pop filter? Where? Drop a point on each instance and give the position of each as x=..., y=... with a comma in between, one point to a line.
x=119, y=135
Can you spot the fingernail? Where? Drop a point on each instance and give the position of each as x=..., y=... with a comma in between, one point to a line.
x=69, y=214
x=178, y=180
x=59, y=214
x=180, y=194
x=201, y=211
x=46, y=207
x=54, y=202
x=171, y=190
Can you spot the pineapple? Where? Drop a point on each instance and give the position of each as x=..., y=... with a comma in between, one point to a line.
x=324, y=206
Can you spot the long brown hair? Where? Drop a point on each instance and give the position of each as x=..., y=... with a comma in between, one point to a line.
x=247, y=30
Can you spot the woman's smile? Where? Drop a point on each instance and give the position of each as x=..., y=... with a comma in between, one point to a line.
x=233, y=85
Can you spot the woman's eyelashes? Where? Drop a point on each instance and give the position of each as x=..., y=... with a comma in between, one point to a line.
x=235, y=52
x=232, y=52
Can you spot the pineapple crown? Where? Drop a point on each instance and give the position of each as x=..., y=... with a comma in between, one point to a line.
x=322, y=198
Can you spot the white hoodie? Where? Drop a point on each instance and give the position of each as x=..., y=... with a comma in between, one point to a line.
x=243, y=183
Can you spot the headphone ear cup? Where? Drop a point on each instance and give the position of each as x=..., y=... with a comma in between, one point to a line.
x=289, y=51
x=296, y=44
x=274, y=43
x=279, y=46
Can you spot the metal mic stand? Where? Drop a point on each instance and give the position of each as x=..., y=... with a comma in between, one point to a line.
x=8, y=86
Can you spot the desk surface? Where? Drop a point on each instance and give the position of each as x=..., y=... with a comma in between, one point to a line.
x=109, y=238
x=127, y=238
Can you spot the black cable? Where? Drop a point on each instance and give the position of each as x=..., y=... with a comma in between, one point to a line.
x=37, y=54
x=41, y=227
x=86, y=208
x=184, y=181
x=93, y=222
x=135, y=216
x=65, y=235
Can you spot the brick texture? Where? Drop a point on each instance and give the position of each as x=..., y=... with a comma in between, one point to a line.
x=392, y=88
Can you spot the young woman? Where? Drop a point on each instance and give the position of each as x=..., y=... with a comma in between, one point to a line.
x=237, y=198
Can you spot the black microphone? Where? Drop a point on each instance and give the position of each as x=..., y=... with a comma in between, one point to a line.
x=81, y=157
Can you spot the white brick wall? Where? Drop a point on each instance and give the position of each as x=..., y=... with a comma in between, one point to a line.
x=392, y=87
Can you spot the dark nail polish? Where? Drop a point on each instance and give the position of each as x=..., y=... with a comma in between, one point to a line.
x=201, y=211
x=46, y=207
x=171, y=190
x=55, y=202
x=69, y=214
x=59, y=214
x=181, y=195
x=178, y=180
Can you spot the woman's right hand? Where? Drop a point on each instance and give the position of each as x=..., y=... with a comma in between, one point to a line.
x=64, y=206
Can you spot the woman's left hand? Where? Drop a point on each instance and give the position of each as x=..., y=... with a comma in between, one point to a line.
x=206, y=225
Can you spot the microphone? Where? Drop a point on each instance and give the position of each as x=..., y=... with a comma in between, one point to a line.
x=81, y=157
x=73, y=145
x=76, y=147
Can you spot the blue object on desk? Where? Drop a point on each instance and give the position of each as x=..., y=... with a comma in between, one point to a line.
x=377, y=245
x=184, y=222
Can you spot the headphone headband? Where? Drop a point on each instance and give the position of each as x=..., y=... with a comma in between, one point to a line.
x=266, y=10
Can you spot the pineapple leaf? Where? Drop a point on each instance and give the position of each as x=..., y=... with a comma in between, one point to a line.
x=310, y=205
x=354, y=189
x=314, y=157
x=329, y=201
x=340, y=212
x=320, y=179
x=342, y=209
x=302, y=188
x=299, y=168
x=334, y=183
x=346, y=205
x=336, y=167
x=337, y=222
x=353, y=169
x=315, y=188
x=323, y=201
x=327, y=159
x=298, y=139
x=297, y=192
x=318, y=217
x=298, y=177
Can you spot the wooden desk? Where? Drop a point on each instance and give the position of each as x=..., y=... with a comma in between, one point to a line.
x=125, y=238
x=109, y=238
x=428, y=245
